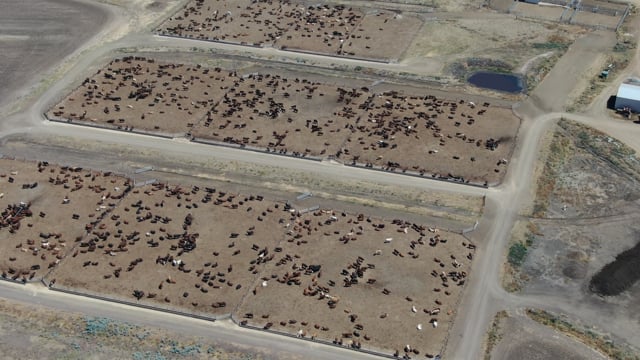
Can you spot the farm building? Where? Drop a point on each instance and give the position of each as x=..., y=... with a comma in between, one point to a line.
x=628, y=96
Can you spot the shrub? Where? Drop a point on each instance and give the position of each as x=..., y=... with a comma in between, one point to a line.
x=517, y=253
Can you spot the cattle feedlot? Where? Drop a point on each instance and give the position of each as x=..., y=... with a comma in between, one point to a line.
x=421, y=134
x=298, y=179
x=326, y=29
x=171, y=245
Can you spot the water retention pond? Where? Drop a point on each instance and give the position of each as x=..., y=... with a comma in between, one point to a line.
x=510, y=83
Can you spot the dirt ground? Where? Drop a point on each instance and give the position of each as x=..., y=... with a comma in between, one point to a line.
x=450, y=211
x=173, y=246
x=549, y=13
x=385, y=134
x=398, y=269
x=142, y=94
x=329, y=29
x=591, y=13
x=45, y=210
x=191, y=255
x=36, y=35
x=447, y=41
x=591, y=217
x=526, y=339
x=287, y=114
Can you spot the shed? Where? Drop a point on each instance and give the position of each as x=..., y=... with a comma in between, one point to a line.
x=628, y=96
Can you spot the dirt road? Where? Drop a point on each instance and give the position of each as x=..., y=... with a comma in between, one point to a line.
x=224, y=330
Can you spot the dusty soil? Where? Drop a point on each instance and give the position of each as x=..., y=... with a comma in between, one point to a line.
x=549, y=13
x=590, y=13
x=367, y=287
x=188, y=253
x=444, y=42
x=142, y=94
x=525, y=339
x=32, y=332
x=301, y=116
x=618, y=275
x=39, y=236
x=330, y=29
x=173, y=246
x=449, y=211
x=481, y=135
x=591, y=218
x=38, y=34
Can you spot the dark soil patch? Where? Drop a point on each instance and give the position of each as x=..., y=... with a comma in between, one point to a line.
x=619, y=275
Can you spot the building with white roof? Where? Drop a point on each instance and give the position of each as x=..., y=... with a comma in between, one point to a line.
x=628, y=95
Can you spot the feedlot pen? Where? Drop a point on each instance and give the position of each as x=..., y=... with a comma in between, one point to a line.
x=337, y=30
x=589, y=13
x=352, y=279
x=292, y=114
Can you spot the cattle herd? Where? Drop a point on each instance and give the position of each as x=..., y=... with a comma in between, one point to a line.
x=285, y=113
x=336, y=30
x=358, y=281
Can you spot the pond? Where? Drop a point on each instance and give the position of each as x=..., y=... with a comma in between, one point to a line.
x=510, y=83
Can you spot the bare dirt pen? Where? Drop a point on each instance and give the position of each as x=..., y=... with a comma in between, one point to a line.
x=586, y=214
x=210, y=251
x=593, y=13
x=192, y=248
x=379, y=284
x=286, y=113
x=45, y=210
x=142, y=94
x=407, y=132
x=329, y=29
x=282, y=114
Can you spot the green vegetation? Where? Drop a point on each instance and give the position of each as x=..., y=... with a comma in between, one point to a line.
x=517, y=253
x=462, y=69
x=600, y=342
x=551, y=45
x=524, y=236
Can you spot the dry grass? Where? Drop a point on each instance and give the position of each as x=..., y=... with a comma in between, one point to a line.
x=512, y=279
x=33, y=332
x=494, y=335
x=560, y=150
x=597, y=341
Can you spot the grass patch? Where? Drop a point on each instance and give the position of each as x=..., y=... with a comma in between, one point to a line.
x=550, y=45
x=495, y=333
x=600, y=342
x=462, y=69
x=523, y=237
